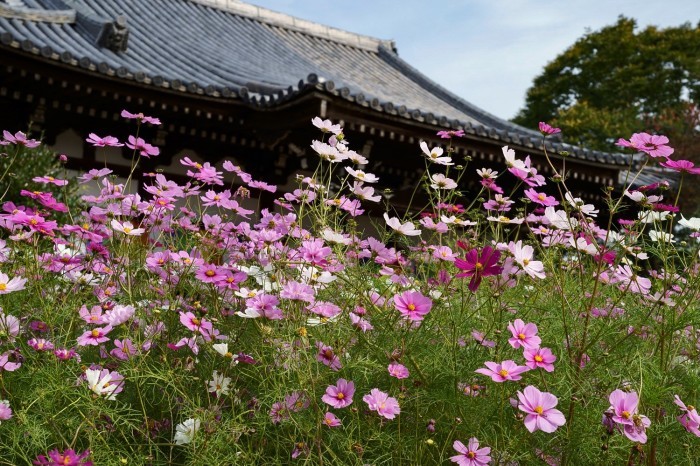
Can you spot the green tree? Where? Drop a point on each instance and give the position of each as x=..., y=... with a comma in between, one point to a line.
x=619, y=80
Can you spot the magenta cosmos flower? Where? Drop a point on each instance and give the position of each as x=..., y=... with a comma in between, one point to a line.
x=471, y=454
x=507, y=370
x=331, y=420
x=682, y=166
x=67, y=458
x=339, y=395
x=539, y=407
x=524, y=335
x=382, y=403
x=690, y=420
x=541, y=198
x=547, y=129
x=478, y=265
x=539, y=358
x=412, y=305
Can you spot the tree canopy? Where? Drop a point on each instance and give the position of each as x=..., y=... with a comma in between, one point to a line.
x=619, y=80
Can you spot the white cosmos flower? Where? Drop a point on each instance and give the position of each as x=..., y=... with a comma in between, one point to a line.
x=219, y=384
x=407, y=228
x=661, y=236
x=435, y=154
x=693, y=223
x=650, y=216
x=101, y=386
x=185, y=431
x=362, y=176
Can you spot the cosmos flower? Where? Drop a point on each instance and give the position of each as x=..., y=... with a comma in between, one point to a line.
x=471, y=454
x=382, y=403
x=539, y=409
x=339, y=395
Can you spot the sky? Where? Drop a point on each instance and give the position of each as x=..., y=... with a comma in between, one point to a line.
x=486, y=51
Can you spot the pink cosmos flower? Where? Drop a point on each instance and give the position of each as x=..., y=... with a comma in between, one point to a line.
x=524, y=335
x=95, y=336
x=339, y=395
x=66, y=458
x=507, y=370
x=8, y=286
x=20, y=139
x=689, y=419
x=541, y=198
x=331, y=420
x=478, y=265
x=539, y=358
x=107, y=141
x=398, y=370
x=40, y=344
x=382, y=403
x=655, y=146
x=471, y=455
x=6, y=365
x=624, y=412
x=412, y=305
x=140, y=117
x=144, y=149
x=539, y=407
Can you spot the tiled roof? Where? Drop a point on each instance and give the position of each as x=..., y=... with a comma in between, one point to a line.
x=228, y=49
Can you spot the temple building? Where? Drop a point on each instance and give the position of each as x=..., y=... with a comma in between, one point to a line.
x=231, y=80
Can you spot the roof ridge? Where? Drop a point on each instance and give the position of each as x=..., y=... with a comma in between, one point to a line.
x=275, y=18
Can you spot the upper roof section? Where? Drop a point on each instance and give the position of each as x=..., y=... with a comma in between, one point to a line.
x=229, y=49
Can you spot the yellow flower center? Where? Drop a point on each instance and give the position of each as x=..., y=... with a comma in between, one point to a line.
x=127, y=230
x=209, y=273
x=471, y=455
x=3, y=286
x=626, y=414
x=541, y=197
x=503, y=373
x=411, y=307
x=521, y=336
x=538, y=358
x=539, y=410
x=340, y=396
x=196, y=321
x=95, y=333
x=479, y=266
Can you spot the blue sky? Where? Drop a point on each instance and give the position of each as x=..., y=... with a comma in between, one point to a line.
x=487, y=51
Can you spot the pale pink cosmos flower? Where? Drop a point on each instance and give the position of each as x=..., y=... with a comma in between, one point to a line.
x=326, y=126
x=8, y=286
x=95, y=336
x=127, y=228
x=339, y=395
x=507, y=370
x=413, y=305
x=382, y=403
x=440, y=181
x=398, y=370
x=50, y=180
x=406, y=228
x=5, y=410
x=539, y=358
x=524, y=335
x=539, y=407
x=523, y=256
x=362, y=176
x=471, y=454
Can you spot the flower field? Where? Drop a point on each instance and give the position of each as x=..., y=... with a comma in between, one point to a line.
x=176, y=325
